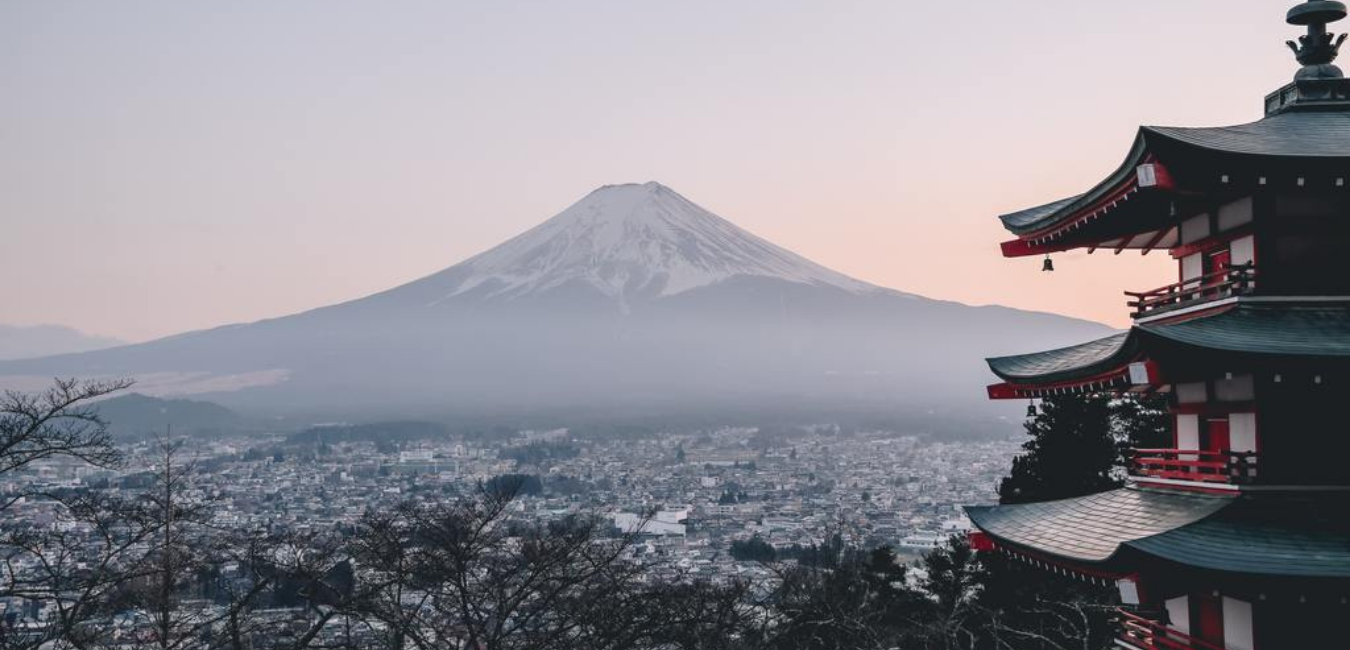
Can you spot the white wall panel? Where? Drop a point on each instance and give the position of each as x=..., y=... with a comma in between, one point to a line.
x=1243, y=250
x=1241, y=388
x=1242, y=431
x=1235, y=214
x=1237, y=625
x=1195, y=229
x=1193, y=393
x=1192, y=266
x=1188, y=431
x=1179, y=613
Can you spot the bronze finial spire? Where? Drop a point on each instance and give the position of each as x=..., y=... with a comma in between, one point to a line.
x=1319, y=48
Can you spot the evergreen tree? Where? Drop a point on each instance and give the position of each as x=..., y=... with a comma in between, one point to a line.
x=1072, y=452
x=951, y=576
x=1079, y=445
x=754, y=549
x=1141, y=422
x=858, y=600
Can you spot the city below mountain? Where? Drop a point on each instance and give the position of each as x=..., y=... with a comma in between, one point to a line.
x=632, y=301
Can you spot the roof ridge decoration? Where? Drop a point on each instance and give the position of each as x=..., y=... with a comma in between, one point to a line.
x=1319, y=48
x=1318, y=85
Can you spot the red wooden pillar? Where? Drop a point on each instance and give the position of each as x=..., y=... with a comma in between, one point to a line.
x=1207, y=618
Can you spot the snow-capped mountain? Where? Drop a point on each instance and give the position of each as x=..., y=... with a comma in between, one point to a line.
x=637, y=241
x=632, y=299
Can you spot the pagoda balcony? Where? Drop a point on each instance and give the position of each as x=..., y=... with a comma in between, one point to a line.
x=1235, y=280
x=1193, y=465
x=1146, y=634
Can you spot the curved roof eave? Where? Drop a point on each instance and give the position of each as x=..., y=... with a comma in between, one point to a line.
x=1093, y=528
x=1063, y=364
x=1304, y=135
x=1311, y=330
x=1037, y=218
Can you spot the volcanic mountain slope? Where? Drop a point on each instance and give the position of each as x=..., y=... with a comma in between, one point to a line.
x=633, y=297
x=638, y=240
x=619, y=245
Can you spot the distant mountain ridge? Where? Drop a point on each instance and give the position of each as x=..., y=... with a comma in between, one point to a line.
x=26, y=342
x=632, y=299
x=140, y=416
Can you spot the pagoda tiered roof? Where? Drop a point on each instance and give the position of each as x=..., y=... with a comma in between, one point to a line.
x=1251, y=491
x=1247, y=328
x=1068, y=364
x=1267, y=328
x=1170, y=170
x=1286, y=135
x=1092, y=528
x=1290, y=535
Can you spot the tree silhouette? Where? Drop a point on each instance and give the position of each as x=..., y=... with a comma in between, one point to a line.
x=1072, y=452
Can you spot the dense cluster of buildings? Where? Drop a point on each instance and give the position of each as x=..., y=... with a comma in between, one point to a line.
x=691, y=495
x=687, y=498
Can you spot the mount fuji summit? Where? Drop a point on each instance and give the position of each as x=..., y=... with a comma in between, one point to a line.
x=638, y=241
x=634, y=299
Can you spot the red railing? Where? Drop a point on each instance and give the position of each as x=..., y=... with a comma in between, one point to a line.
x=1147, y=634
x=1233, y=467
x=1232, y=281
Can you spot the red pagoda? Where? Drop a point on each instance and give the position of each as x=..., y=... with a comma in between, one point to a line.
x=1237, y=536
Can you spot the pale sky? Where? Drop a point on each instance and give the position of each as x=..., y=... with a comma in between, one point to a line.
x=168, y=166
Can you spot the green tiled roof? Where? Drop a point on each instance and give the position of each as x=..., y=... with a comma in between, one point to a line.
x=1307, y=135
x=1032, y=219
x=1299, y=134
x=1277, y=534
x=1032, y=216
x=1064, y=363
x=1286, y=535
x=1092, y=528
x=1278, y=328
x=1266, y=328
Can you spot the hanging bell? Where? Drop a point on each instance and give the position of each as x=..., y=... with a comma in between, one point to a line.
x=1031, y=409
x=1048, y=264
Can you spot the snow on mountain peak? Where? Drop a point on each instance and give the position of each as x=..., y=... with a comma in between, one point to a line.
x=638, y=239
